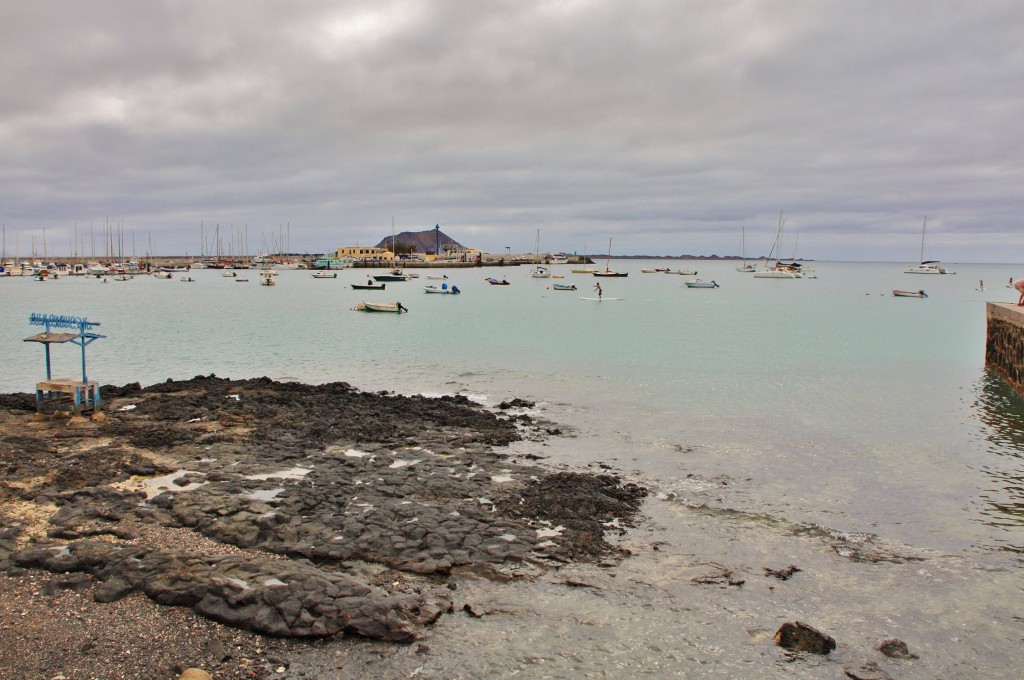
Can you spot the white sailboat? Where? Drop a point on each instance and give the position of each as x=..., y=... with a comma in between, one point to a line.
x=746, y=267
x=539, y=271
x=925, y=266
x=776, y=271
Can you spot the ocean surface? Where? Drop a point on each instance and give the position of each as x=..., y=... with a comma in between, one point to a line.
x=818, y=422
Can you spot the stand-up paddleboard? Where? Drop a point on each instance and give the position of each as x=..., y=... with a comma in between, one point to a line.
x=600, y=299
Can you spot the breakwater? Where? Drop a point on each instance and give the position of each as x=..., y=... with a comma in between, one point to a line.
x=1004, y=342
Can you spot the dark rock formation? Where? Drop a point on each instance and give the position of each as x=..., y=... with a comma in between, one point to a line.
x=800, y=637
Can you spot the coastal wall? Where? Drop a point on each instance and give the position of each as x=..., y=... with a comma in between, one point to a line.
x=1004, y=342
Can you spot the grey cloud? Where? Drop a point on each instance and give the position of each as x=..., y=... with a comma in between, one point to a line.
x=668, y=125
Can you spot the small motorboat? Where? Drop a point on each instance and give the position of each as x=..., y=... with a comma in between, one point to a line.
x=187, y=279
x=909, y=293
x=162, y=274
x=495, y=282
x=436, y=276
x=325, y=275
x=443, y=288
x=369, y=285
x=564, y=286
x=540, y=272
x=684, y=272
x=697, y=283
x=393, y=307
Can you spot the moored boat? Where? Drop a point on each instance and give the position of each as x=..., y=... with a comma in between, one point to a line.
x=442, y=289
x=925, y=266
x=909, y=293
x=393, y=307
x=608, y=271
x=698, y=283
x=392, y=275
x=564, y=286
x=322, y=274
x=495, y=282
x=540, y=272
x=369, y=285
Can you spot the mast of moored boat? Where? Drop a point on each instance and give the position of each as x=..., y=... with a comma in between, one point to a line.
x=923, y=225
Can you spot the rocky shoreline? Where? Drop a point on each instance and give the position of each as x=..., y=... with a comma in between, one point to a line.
x=271, y=517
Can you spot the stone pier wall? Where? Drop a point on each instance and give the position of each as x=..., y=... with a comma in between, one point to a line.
x=1004, y=342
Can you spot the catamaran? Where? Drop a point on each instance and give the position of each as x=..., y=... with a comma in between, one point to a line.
x=926, y=266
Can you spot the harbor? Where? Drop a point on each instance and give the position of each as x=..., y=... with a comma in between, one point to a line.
x=889, y=495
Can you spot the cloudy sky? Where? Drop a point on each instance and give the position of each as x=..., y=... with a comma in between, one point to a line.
x=668, y=126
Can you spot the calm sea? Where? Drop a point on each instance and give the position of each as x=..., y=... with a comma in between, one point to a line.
x=817, y=422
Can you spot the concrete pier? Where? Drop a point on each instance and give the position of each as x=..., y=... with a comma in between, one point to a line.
x=1004, y=342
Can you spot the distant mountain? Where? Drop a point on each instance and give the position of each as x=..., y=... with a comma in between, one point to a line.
x=422, y=241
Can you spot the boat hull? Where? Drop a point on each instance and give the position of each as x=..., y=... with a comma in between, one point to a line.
x=387, y=307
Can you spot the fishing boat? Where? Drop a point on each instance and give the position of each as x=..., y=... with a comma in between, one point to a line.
x=443, y=289
x=608, y=271
x=268, y=277
x=187, y=279
x=654, y=270
x=909, y=293
x=392, y=307
x=682, y=272
x=697, y=283
x=495, y=282
x=564, y=286
x=325, y=275
x=369, y=285
x=925, y=266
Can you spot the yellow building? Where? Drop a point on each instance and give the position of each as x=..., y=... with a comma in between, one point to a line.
x=364, y=253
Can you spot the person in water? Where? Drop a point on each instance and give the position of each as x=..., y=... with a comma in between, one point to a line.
x=597, y=287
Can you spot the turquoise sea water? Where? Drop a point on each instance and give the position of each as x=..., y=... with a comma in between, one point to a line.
x=776, y=421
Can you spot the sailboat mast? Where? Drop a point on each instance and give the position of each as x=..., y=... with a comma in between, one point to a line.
x=923, y=224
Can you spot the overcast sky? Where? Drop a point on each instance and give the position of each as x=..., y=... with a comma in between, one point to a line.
x=668, y=126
